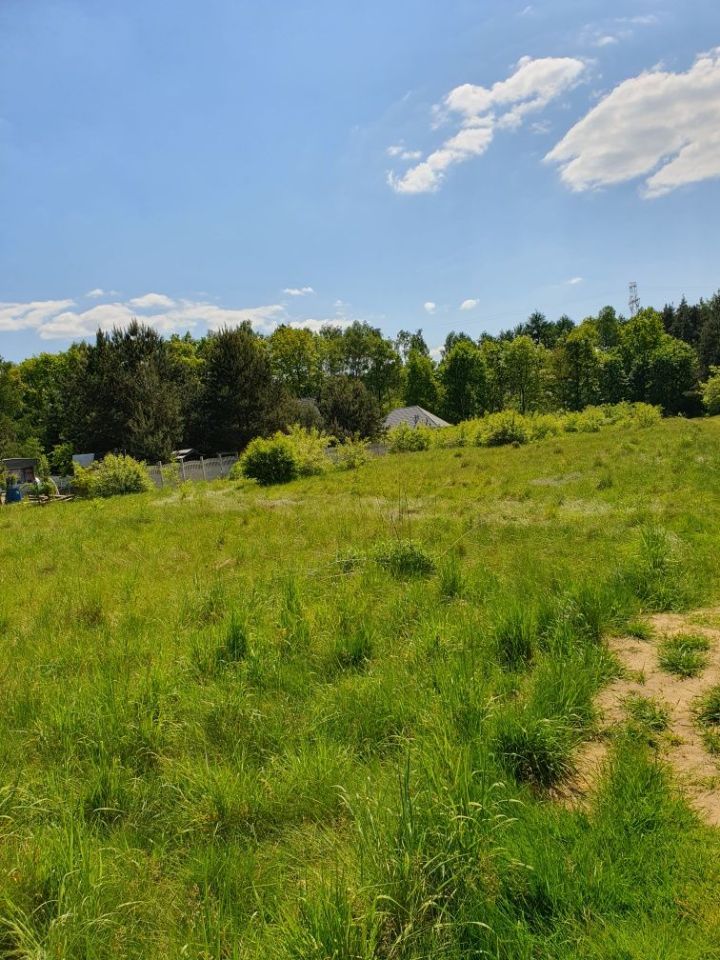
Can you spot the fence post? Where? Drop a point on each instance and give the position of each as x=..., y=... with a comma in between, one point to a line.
x=202, y=464
x=162, y=481
x=182, y=469
x=222, y=468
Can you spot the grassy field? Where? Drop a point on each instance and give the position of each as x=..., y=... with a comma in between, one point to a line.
x=329, y=719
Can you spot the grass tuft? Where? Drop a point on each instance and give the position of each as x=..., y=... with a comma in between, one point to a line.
x=684, y=654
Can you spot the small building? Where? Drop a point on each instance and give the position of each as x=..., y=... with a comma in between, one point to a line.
x=413, y=417
x=24, y=468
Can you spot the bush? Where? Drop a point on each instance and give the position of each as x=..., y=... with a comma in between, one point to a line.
x=645, y=415
x=351, y=454
x=589, y=420
x=406, y=439
x=543, y=425
x=268, y=461
x=111, y=477
x=309, y=448
x=499, y=429
x=284, y=457
x=711, y=392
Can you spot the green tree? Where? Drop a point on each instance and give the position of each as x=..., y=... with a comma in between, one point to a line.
x=407, y=343
x=709, y=340
x=711, y=392
x=463, y=375
x=524, y=362
x=296, y=358
x=613, y=387
x=639, y=339
x=576, y=369
x=128, y=400
x=10, y=406
x=349, y=409
x=420, y=387
x=672, y=381
x=239, y=399
x=608, y=328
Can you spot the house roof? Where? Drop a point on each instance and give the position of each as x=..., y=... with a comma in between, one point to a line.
x=414, y=417
x=19, y=463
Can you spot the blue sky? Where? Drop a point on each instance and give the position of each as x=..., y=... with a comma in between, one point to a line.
x=201, y=163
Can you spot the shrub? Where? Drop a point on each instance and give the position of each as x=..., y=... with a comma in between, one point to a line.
x=112, y=476
x=309, y=448
x=645, y=415
x=542, y=425
x=499, y=429
x=284, y=457
x=403, y=558
x=351, y=454
x=268, y=461
x=711, y=392
x=407, y=439
x=589, y=420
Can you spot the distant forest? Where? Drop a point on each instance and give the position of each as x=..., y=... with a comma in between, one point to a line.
x=133, y=391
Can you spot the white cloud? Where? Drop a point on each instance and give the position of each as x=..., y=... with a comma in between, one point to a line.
x=644, y=20
x=150, y=300
x=469, y=304
x=317, y=325
x=401, y=152
x=98, y=292
x=606, y=40
x=662, y=126
x=541, y=127
x=29, y=316
x=63, y=320
x=54, y=319
x=69, y=324
x=298, y=291
x=436, y=353
x=483, y=110
x=429, y=306
x=573, y=281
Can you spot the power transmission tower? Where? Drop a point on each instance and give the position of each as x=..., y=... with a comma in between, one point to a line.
x=634, y=301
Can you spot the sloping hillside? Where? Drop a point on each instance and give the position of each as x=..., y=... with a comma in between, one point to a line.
x=336, y=718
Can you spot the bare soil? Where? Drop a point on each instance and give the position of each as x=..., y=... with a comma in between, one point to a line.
x=696, y=772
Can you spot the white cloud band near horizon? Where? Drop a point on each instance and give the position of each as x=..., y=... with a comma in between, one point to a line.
x=661, y=126
x=484, y=110
x=65, y=320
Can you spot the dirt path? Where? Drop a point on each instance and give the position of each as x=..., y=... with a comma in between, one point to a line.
x=696, y=771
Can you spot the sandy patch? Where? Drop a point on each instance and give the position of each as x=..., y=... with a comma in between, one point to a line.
x=696, y=771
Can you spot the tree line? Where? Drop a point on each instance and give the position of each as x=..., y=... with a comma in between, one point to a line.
x=133, y=391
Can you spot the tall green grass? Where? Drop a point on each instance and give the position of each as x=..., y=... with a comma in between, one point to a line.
x=333, y=724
